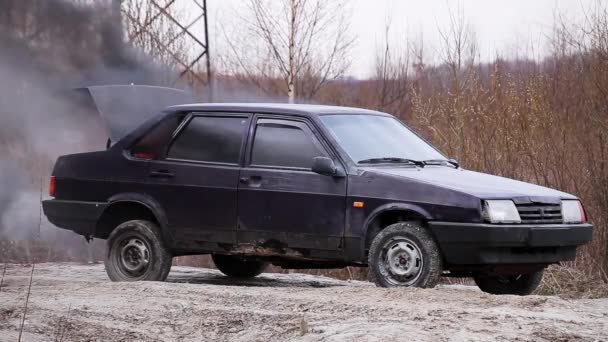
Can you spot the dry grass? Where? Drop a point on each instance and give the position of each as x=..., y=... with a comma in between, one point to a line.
x=63, y=326
x=571, y=282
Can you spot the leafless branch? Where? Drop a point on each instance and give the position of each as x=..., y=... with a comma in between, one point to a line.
x=27, y=299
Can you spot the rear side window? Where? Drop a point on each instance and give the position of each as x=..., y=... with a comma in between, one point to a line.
x=152, y=144
x=210, y=139
x=284, y=144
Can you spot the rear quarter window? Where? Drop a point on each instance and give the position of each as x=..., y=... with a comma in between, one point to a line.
x=152, y=144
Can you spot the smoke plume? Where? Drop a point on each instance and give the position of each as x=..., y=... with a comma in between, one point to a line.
x=48, y=48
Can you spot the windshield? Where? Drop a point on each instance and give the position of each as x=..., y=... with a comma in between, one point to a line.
x=366, y=137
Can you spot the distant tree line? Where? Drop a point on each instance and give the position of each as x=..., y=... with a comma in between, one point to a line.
x=538, y=120
x=542, y=120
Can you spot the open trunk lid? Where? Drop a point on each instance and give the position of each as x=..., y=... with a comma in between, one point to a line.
x=124, y=107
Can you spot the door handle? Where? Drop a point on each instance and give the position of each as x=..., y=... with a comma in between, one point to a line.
x=162, y=174
x=253, y=181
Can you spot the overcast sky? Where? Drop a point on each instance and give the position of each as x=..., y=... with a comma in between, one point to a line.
x=501, y=26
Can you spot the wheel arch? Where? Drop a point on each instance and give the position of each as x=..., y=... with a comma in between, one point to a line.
x=388, y=214
x=131, y=206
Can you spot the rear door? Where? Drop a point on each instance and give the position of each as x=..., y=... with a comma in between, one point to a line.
x=196, y=181
x=280, y=199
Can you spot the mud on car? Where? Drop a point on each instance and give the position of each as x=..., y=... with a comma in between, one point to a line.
x=303, y=186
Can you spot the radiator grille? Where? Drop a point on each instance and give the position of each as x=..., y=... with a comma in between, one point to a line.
x=540, y=213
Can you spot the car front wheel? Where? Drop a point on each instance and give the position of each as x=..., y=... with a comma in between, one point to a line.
x=522, y=285
x=238, y=267
x=135, y=251
x=404, y=254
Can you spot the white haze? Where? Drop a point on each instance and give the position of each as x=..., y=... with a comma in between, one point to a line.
x=69, y=45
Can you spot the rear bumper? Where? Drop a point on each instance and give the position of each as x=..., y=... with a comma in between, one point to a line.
x=479, y=243
x=80, y=217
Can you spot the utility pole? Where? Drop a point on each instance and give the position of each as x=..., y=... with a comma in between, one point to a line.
x=189, y=64
x=202, y=45
x=207, y=54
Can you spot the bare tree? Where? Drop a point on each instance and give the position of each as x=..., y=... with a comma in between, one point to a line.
x=459, y=48
x=458, y=52
x=304, y=43
x=392, y=72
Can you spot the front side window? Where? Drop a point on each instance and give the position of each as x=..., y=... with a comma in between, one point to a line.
x=284, y=143
x=368, y=137
x=210, y=139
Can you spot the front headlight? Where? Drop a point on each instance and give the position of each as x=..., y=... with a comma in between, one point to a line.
x=501, y=211
x=573, y=212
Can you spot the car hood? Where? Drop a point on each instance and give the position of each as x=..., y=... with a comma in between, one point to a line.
x=481, y=185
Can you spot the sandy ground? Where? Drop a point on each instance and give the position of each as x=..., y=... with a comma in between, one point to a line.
x=73, y=302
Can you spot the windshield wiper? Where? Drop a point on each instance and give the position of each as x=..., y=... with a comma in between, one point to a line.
x=441, y=162
x=391, y=160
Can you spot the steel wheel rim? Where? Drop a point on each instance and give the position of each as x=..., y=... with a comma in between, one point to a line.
x=133, y=256
x=401, y=262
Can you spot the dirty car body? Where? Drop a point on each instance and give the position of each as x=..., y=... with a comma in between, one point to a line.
x=285, y=184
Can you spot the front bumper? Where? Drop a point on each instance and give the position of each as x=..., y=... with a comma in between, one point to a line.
x=80, y=217
x=480, y=243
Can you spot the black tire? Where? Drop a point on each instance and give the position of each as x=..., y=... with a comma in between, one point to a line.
x=238, y=267
x=416, y=256
x=135, y=251
x=522, y=285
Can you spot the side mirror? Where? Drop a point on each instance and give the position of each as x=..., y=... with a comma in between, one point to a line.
x=324, y=166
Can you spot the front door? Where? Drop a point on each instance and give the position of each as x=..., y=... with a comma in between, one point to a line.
x=280, y=199
x=196, y=182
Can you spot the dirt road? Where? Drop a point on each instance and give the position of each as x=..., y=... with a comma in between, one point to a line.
x=73, y=302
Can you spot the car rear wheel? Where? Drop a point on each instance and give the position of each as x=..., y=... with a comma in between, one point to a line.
x=522, y=285
x=238, y=267
x=404, y=254
x=135, y=251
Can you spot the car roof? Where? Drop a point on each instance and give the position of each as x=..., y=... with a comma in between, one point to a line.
x=273, y=108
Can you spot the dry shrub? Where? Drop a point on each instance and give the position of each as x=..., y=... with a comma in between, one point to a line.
x=570, y=282
x=40, y=251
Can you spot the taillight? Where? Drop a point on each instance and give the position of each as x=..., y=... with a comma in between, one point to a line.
x=144, y=155
x=52, y=186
